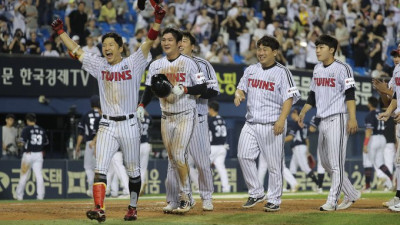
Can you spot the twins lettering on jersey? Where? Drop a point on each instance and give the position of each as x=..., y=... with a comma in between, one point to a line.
x=116, y=76
x=397, y=80
x=327, y=82
x=261, y=84
x=178, y=77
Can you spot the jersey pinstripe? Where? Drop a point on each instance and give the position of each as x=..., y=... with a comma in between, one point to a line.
x=266, y=90
x=182, y=70
x=118, y=84
x=394, y=83
x=329, y=84
x=209, y=73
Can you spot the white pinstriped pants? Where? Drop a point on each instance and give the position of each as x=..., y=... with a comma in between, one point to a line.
x=332, y=143
x=258, y=139
x=176, y=131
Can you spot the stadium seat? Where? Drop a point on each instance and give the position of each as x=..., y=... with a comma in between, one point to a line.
x=350, y=62
x=360, y=71
x=105, y=27
x=238, y=59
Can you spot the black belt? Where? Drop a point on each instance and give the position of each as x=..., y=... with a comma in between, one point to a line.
x=118, y=118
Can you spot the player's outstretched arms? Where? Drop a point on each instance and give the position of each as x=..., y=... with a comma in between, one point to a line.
x=76, y=51
x=152, y=35
x=239, y=97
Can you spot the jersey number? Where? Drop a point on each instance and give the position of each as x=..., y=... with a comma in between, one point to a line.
x=381, y=125
x=220, y=131
x=36, y=139
x=91, y=123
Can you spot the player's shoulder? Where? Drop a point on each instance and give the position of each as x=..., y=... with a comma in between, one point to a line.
x=343, y=66
x=201, y=60
x=253, y=68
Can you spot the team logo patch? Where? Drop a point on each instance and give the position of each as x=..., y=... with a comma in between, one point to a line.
x=292, y=90
x=349, y=81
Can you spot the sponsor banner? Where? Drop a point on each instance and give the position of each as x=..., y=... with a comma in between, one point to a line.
x=30, y=76
x=67, y=178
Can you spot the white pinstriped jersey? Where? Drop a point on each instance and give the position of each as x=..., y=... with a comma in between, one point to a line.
x=182, y=70
x=209, y=73
x=266, y=90
x=329, y=84
x=394, y=84
x=118, y=84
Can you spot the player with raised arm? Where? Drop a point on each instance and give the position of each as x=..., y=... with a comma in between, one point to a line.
x=333, y=94
x=119, y=81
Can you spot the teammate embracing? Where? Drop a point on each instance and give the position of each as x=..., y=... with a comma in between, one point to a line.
x=333, y=93
x=179, y=114
x=271, y=92
x=118, y=80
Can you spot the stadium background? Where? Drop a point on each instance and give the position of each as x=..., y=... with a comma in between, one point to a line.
x=67, y=89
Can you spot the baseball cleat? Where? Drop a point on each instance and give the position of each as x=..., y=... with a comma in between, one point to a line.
x=207, y=205
x=184, y=206
x=295, y=188
x=251, y=202
x=346, y=203
x=327, y=207
x=170, y=207
x=131, y=214
x=395, y=208
x=96, y=214
x=320, y=191
x=392, y=202
x=366, y=190
x=271, y=207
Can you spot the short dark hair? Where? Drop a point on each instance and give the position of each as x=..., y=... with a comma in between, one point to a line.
x=10, y=116
x=268, y=41
x=176, y=33
x=328, y=40
x=189, y=35
x=95, y=101
x=214, y=105
x=373, y=101
x=117, y=38
x=31, y=117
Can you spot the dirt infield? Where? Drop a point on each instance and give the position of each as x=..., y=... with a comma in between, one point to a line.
x=59, y=210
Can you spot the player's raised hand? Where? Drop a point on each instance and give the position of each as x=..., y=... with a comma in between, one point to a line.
x=159, y=14
x=58, y=26
x=300, y=121
x=352, y=126
x=397, y=118
x=384, y=116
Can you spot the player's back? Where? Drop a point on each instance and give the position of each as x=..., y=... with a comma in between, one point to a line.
x=372, y=122
x=89, y=124
x=299, y=134
x=34, y=138
x=145, y=129
x=217, y=129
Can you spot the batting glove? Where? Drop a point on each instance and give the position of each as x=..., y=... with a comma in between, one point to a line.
x=159, y=14
x=140, y=112
x=178, y=90
x=58, y=26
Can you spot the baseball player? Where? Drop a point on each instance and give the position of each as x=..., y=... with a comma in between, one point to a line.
x=314, y=123
x=179, y=114
x=145, y=149
x=333, y=93
x=394, y=84
x=218, y=134
x=87, y=129
x=119, y=80
x=287, y=175
x=271, y=92
x=299, y=146
x=374, y=145
x=33, y=138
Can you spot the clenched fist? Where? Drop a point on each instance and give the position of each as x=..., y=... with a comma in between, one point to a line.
x=58, y=26
x=159, y=14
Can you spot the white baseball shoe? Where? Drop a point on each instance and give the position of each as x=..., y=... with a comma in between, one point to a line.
x=319, y=191
x=346, y=203
x=327, y=207
x=395, y=208
x=170, y=207
x=207, y=205
x=392, y=202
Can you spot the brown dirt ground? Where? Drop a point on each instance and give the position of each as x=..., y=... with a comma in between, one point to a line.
x=153, y=208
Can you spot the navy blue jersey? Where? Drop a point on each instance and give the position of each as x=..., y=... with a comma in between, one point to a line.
x=89, y=125
x=389, y=132
x=372, y=122
x=299, y=134
x=315, y=121
x=34, y=138
x=145, y=129
x=217, y=129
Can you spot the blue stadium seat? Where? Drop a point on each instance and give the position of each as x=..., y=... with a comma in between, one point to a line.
x=238, y=59
x=350, y=62
x=105, y=27
x=129, y=29
x=360, y=71
x=258, y=15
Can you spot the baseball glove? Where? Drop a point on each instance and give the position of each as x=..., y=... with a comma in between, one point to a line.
x=311, y=161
